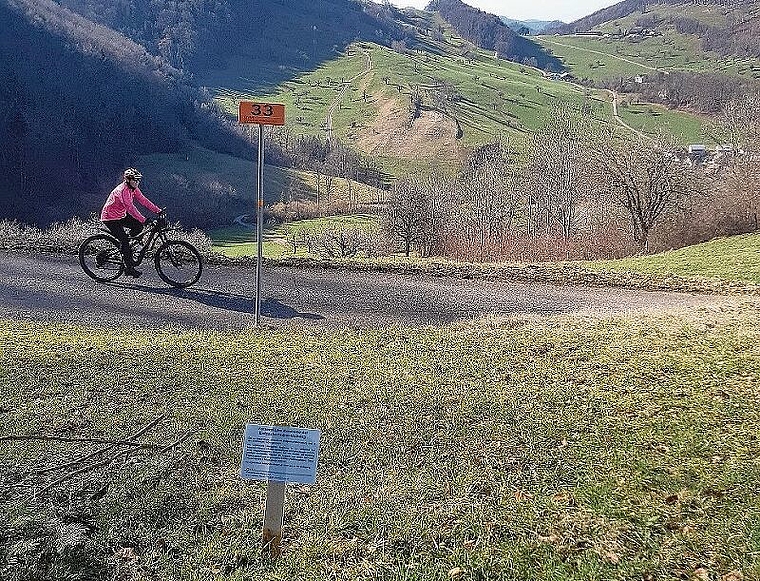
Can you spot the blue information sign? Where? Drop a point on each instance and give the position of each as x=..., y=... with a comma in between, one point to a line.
x=280, y=454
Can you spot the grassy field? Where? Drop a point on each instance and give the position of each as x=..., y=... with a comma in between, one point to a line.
x=736, y=258
x=599, y=58
x=569, y=448
x=234, y=241
x=655, y=120
x=675, y=50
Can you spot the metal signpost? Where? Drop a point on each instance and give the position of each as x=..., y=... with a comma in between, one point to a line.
x=277, y=455
x=260, y=114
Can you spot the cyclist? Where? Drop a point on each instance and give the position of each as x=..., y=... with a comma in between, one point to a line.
x=119, y=212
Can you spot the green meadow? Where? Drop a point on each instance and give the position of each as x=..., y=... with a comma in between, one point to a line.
x=735, y=258
x=655, y=120
x=237, y=241
x=517, y=448
x=599, y=58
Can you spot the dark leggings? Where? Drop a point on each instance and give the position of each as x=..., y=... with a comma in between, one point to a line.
x=117, y=228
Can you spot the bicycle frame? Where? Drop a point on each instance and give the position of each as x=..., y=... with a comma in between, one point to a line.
x=155, y=234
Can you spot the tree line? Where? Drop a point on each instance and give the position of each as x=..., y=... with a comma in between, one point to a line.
x=705, y=92
x=581, y=192
x=196, y=35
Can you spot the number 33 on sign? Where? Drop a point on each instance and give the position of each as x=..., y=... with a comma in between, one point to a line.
x=261, y=113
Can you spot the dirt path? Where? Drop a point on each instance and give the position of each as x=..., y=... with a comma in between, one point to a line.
x=620, y=119
x=606, y=54
x=343, y=89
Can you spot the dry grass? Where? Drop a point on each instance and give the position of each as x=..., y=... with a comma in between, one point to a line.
x=568, y=448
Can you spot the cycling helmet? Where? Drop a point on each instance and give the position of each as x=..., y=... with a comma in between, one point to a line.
x=132, y=174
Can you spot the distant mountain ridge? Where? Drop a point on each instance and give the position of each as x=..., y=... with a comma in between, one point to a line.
x=619, y=10
x=533, y=26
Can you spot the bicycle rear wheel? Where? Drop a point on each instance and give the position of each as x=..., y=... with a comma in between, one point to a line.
x=178, y=263
x=100, y=258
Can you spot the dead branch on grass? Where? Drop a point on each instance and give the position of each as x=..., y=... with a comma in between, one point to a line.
x=81, y=459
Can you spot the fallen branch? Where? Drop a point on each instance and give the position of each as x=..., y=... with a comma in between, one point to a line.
x=176, y=442
x=90, y=440
x=89, y=467
x=150, y=426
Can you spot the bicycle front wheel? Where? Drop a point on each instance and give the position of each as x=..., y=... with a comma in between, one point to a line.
x=100, y=258
x=178, y=263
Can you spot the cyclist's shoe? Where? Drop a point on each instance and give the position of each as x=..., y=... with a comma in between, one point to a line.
x=133, y=272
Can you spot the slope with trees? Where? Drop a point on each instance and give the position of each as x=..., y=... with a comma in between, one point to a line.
x=489, y=32
x=581, y=192
x=79, y=102
x=277, y=36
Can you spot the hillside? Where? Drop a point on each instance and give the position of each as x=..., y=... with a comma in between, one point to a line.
x=277, y=38
x=729, y=29
x=488, y=32
x=669, y=55
x=69, y=129
x=429, y=101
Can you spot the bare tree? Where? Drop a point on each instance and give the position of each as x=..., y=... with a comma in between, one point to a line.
x=439, y=191
x=418, y=211
x=488, y=194
x=740, y=123
x=404, y=217
x=557, y=167
x=341, y=241
x=645, y=178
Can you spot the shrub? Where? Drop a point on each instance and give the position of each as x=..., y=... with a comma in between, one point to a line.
x=65, y=237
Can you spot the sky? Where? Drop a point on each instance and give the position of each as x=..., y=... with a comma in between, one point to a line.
x=525, y=10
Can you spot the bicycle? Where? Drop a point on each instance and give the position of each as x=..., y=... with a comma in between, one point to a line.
x=177, y=262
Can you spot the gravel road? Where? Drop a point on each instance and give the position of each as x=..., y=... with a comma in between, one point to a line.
x=54, y=289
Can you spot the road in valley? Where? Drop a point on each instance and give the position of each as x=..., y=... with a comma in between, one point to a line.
x=605, y=54
x=54, y=289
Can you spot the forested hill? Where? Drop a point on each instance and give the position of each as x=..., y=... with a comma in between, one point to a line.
x=202, y=34
x=489, y=32
x=733, y=28
x=78, y=102
x=619, y=10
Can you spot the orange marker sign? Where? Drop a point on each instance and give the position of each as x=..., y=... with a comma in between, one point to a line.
x=261, y=113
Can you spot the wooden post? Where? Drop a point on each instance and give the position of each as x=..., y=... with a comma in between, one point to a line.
x=274, y=514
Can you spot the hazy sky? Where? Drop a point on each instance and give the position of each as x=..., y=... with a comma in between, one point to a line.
x=523, y=10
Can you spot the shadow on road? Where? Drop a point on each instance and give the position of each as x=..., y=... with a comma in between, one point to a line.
x=275, y=309
x=271, y=307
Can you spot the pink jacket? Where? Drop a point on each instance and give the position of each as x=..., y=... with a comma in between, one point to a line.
x=120, y=203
